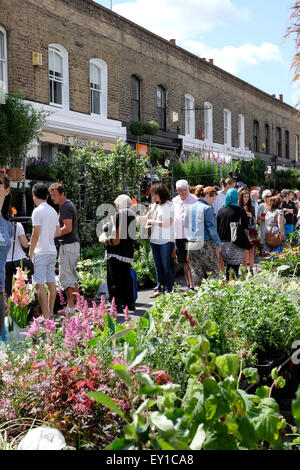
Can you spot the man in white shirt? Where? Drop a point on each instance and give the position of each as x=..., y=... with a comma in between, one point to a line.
x=45, y=226
x=254, y=198
x=181, y=205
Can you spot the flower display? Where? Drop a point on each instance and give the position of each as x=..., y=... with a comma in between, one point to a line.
x=19, y=300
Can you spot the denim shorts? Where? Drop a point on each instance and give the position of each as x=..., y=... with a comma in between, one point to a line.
x=44, y=268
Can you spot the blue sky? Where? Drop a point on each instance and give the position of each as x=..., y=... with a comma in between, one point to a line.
x=244, y=37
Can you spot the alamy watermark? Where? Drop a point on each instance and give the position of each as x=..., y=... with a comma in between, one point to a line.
x=140, y=226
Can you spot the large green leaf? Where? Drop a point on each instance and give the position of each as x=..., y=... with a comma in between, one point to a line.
x=119, y=334
x=164, y=425
x=199, y=438
x=121, y=371
x=228, y=364
x=105, y=400
x=138, y=357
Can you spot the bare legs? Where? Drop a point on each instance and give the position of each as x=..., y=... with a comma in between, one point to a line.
x=46, y=300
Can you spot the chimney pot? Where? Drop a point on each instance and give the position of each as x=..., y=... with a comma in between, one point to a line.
x=173, y=41
x=281, y=97
x=204, y=58
x=274, y=96
x=211, y=61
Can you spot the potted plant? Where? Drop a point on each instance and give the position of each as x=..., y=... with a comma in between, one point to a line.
x=20, y=124
x=151, y=128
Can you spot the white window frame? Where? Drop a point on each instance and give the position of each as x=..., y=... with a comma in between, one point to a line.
x=297, y=148
x=103, y=86
x=241, y=131
x=208, y=122
x=189, y=106
x=57, y=48
x=227, y=127
x=4, y=61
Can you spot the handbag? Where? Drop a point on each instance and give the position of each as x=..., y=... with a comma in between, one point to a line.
x=253, y=236
x=239, y=237
x=273, y=240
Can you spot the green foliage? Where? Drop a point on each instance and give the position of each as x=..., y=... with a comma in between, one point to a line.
x=65, y=169
x=282, y=179
x=151, y=128
x=159, y=155
x=214, y=414
x=137, y=128
x=200, y=169
x=250, y=316
x=20, y=124
x=250, y=172
x=107, y=175
x=286, y=264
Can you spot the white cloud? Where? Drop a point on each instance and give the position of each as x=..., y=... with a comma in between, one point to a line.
x=180, y=19
x=187, y=22
x=234, y=59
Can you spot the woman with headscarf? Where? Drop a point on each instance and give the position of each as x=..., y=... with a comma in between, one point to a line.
x=231, y=212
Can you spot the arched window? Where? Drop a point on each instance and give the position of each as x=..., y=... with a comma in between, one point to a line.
x=58, y=76
x=161, y=107
x=208, y=122
x=227, y=127
x=98, y=87
x=3, y=61
x=135, y=98
x=189, y=106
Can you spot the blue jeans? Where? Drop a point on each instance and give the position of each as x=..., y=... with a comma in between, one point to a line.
x=164, y=265
x=288, y=228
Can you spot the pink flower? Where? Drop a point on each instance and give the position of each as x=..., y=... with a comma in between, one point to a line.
x=34, y=328
x=126, y=311
x=113, y=309
x=50, y=325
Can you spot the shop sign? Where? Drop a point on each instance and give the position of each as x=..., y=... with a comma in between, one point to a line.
x=74, y=140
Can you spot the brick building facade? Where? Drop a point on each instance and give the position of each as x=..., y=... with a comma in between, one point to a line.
x=99, y=72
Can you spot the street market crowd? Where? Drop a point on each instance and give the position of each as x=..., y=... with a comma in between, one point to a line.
x=209, y=230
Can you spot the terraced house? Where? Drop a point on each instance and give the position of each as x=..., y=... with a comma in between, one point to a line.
x=97, y=72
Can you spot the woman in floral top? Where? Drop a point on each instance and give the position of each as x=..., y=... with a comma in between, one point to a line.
x=274, y=220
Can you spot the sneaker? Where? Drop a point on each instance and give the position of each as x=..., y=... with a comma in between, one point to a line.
x=131, y=308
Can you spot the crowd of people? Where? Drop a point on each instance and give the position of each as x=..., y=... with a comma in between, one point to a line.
x=209, y=230
x=53, y=233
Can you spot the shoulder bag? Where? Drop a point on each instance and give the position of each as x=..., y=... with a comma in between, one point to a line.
x=273, y=240
x=239, y=237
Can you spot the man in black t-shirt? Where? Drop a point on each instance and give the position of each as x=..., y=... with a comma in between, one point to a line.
x=69, y=243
